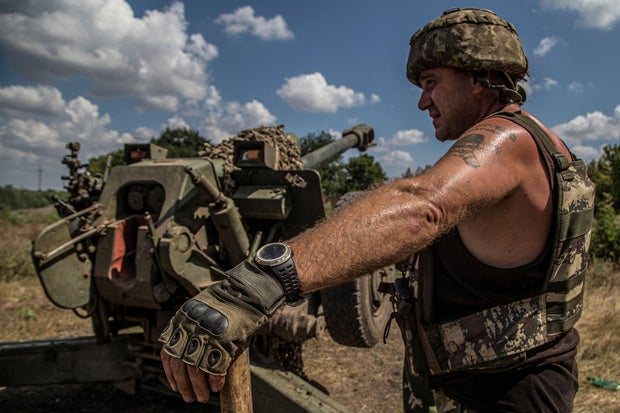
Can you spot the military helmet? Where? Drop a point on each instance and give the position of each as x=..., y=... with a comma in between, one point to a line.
x=469, y=38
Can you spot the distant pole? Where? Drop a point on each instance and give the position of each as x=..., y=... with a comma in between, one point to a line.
x=40, y=177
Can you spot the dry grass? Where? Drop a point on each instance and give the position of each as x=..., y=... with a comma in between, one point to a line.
x=26, y=314
x=599, y=351
x=18, y=229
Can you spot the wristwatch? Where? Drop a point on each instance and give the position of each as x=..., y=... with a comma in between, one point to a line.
x=276, y=258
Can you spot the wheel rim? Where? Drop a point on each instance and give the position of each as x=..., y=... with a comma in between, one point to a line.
x=376, y=298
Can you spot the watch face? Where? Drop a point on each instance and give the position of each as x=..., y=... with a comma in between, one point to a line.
x=271, y=254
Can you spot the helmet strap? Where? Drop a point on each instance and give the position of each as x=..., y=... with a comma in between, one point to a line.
x=506, y=94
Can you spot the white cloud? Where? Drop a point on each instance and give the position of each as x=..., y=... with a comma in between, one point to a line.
x=217, y=119
x=389, y=157
x=226, y=121
x=168, y=103
x=532, y=86
x=586, y=152
x=408, y=137
x=585, y=133
x=212, y=99
x=549, y=83
x=598, y=14
x=78, y=119
x=243, y=20
x=311, y=93
x=176, y=122
x=575, y=87
x=25, y=137
x=144, y=134
x=545, y=46
x=395, y=158
x=593, y=126
x=336, y=134
x=151, y=57
x=22, y=100
x=28, y=142
x=199, y=47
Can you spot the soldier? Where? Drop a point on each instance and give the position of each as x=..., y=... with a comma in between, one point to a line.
x=494, y=235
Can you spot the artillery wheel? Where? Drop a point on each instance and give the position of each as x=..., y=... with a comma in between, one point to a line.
x=356, y=312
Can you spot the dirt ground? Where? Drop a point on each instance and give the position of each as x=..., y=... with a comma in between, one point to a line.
x=363, y=379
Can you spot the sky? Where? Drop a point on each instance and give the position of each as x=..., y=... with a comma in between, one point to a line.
x=109, y=72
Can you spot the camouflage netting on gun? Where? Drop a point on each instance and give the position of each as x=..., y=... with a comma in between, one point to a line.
x=288, y=154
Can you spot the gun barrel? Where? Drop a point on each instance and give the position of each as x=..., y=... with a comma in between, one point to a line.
x=360, y=137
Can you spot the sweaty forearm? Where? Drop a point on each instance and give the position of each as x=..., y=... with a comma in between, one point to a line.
x=385, y=226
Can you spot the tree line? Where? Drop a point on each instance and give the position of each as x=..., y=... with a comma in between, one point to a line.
x=15, y=198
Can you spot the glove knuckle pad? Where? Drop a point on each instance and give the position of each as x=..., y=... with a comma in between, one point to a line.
x=206, y=316
x=176, y=341
x=206, y=355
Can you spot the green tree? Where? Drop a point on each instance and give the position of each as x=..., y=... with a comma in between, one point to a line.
x=314, y=141
x=97, y=165
x=181, y=142
x=364, y=173
x=334, y=179
x=605, y=173
x=13, y=198
x=418, y=171
x=407, y=173
x=611, y=165
x=606, y=234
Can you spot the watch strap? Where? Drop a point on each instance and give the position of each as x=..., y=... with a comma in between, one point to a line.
x=287, y=274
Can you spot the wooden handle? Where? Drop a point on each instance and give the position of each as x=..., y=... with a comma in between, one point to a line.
x=236, y=396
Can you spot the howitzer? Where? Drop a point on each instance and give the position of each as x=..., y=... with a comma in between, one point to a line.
x=159, y=230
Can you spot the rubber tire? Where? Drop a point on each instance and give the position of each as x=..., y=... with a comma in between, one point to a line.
x=355, y=312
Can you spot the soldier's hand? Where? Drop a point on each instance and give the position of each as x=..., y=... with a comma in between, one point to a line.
x=193, y=383
x=211, y=329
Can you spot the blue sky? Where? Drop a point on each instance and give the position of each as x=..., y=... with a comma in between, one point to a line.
x=109, y=72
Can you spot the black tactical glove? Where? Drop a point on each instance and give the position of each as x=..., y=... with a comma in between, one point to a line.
x=212, y=328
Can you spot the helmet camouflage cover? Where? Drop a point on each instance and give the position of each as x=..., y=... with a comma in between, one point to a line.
x=472, y=39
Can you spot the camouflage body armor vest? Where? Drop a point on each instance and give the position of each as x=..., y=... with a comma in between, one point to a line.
x=497, y=338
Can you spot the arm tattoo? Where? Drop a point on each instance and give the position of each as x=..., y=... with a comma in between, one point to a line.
x=466, y=146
